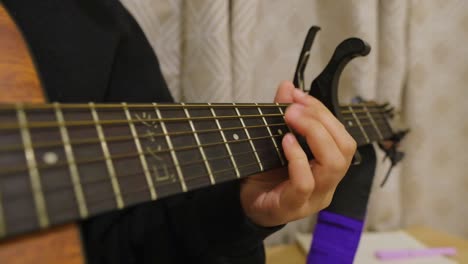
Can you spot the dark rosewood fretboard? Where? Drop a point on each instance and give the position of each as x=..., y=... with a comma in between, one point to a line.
x=63, y=162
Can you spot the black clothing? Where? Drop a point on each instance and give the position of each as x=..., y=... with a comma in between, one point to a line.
x=93, y=50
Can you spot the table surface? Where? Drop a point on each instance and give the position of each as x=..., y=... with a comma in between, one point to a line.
x=292, y=254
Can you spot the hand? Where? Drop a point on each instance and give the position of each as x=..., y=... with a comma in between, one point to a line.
x=304, y=187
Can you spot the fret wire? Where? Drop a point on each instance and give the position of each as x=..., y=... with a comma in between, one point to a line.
x=74, y=175
x=101, y=200
x=360, y=126
x=33, y=170
x=125, y=138
x=223, y=136
x=384, y=122
x=272, y=139
x=202, y=152
x=248, y=136
x=169, y=144
x=144, y=165
x=98, y=180
x=282, y=113
x=106, y=152
x=373, y=123
x=2, y=218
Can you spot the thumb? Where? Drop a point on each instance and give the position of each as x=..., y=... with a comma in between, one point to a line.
x=301, y=182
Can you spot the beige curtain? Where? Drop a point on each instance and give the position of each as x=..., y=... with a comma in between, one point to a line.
x=239, y=50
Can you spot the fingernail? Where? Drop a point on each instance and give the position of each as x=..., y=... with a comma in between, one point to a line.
x=290, y=138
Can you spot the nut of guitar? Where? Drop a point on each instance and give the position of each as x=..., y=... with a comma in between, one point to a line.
x=19, y=82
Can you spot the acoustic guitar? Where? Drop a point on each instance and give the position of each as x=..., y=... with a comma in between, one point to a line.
x=62, y=163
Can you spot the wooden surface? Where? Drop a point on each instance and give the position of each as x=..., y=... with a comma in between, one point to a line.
x=435, y=238
x=20, y=83
x=292, y=254
x=56, y=246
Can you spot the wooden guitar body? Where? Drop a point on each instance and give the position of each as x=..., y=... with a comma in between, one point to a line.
x=19, y=82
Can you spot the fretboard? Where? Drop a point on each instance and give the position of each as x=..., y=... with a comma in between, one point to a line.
x=63, y=162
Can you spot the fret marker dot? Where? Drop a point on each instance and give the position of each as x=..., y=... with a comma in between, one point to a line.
x=235, y=136
x=280, y=132
x=50, y=158
x=350, y=123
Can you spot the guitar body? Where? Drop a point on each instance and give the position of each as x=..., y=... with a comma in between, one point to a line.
x=19, y=82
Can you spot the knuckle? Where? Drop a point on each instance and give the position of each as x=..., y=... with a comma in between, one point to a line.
x=350, y=147
x=304, y=189
x=336, y=165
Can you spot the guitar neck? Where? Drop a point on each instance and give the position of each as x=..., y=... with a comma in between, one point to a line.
x=62, y=162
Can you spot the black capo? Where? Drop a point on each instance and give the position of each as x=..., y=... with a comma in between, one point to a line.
x=391, y=152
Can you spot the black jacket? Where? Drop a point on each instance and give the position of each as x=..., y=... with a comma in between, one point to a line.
x=93, y=50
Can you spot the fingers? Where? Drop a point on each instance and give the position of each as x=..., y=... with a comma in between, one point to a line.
x=320, y=141
x=301, y=182
x=285, y=91
x=343, y=139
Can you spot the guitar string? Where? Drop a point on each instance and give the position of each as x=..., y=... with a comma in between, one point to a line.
x=175, y=181
x=47, y=124
x=4, y=172
x=132, y=192
x=172, y=168
x=127, y=138
x=192, y=178
x=20, y=147
x=134, y=155
x=82, y=106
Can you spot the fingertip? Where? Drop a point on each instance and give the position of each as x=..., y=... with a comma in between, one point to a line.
x=305, y=99
x=293, y=113
x=287, y=84
x=284, y=93
x=289, y=139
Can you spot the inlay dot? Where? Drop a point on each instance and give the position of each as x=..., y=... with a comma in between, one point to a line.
x=235, y=136
x=280, y=132
x=50, y=158
x=350, y=123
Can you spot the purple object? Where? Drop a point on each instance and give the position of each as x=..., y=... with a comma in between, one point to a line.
x=336, y=239
x=413, y=253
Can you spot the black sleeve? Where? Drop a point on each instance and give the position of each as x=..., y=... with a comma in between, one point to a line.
x=215, y=229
